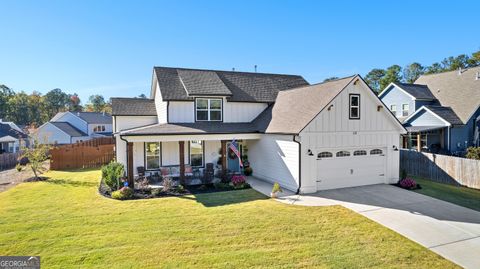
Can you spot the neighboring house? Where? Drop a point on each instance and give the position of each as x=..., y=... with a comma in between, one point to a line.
x=12, y=138
x=440, y=111
x=71, y=127
x=306, y=137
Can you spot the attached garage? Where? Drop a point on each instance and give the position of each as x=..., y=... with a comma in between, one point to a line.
x=346, y=135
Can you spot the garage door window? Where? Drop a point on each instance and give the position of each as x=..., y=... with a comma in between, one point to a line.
x=359, y=152
x=324, y=154
x=343, y=153
x=376, y=152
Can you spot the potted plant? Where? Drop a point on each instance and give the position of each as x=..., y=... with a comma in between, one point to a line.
x=248, y=171
x=275, y=190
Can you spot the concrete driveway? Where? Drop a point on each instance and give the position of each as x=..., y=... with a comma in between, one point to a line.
x=451, y=231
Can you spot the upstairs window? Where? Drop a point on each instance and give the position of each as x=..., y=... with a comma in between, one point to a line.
x=393, y=108
x=405, y=109
x=99, y=128
x=208, y=109
x=354, y=107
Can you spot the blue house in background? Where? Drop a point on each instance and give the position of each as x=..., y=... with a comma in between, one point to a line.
x=441, y=112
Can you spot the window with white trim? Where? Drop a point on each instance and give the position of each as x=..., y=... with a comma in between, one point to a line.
x=208, y=109
x=99, y=128
x=152, y=155
x=196, y=153
x=343, y=153
x=354, y=107
x=393, y=108
x=405, y=109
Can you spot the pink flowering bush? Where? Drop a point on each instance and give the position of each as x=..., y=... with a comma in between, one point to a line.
x=239, y=181
x=408, y=183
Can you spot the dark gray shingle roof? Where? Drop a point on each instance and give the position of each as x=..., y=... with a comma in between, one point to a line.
x=238, y=86
x=446, y=113
x=7, y=130
x=193, y=128
x=95, y=117
x=418, y=91
x=68, y=128
x=133, y=107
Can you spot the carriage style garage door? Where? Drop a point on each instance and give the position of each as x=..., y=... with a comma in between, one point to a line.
x=350, y=167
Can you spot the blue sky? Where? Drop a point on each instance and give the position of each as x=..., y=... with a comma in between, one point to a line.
x=110, y=47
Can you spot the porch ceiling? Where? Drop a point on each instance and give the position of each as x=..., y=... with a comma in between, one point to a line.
x=419, y=129
x=189, y=137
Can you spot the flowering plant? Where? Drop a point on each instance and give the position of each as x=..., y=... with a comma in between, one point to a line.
x=408, y=183
x=238, y=180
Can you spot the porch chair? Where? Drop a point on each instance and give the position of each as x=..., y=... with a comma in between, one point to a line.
x=208, y=173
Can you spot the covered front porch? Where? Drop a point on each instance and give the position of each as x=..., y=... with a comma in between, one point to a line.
x=426, y=138
x=184, y=159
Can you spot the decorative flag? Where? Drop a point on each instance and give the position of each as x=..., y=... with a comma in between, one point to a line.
x=233, y=147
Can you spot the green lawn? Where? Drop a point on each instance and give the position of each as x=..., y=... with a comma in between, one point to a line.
x=67, y=223
x=457, y=195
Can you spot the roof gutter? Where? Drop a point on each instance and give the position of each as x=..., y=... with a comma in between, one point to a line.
x=299, y=163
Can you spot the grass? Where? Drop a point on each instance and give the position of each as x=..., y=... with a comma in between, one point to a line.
x=457, y=195
x=67, y=223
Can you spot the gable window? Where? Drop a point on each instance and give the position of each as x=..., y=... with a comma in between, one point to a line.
x=152, y=155
x=196, y=153
x=99, y=128
x=208, y=109
x=354, y=107
x=393, y=108
x=405, y=109
x=343, y=153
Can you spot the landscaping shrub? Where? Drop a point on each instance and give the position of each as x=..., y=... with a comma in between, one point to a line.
x=473, y=153
x=123, y=193
x=18, y=167
x=239, y=182
x=408, y=183
x=248, y=171
x=403, y=174
x=111, y=174
x=276, y=188
x=167, y=184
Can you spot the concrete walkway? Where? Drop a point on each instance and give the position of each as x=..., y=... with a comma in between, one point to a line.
x=451, y=231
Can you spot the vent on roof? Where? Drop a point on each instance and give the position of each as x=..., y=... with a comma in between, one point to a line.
x=477, y=76
x=459, y=71
x=255, y=68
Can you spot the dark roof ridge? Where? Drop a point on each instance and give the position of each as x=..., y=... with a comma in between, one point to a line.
x=321, y=83
x=227, y=71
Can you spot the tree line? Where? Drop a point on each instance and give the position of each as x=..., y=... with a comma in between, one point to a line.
x=35, y=109
x=379, y=78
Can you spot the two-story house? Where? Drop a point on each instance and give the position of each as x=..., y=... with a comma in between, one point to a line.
x=440, y=111
x=71, y=127
x=306, y=137
x=12, y=138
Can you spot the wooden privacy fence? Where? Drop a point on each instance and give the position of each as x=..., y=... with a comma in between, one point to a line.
x=87, y=154
x=441, y=168
x=8, y=160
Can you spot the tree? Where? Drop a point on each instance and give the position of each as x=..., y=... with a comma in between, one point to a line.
x=5, y=94
x=55, y=101
x=18, y=111
x=330, y=79
x=74, y=103
x=412, y=71
x=373, y=78
x=453, y=63
x=36, y=155
x=475, y=59
x=97, y=103
x=434, y=68
x=392, y=74
x=143, y=96
x=35, y=108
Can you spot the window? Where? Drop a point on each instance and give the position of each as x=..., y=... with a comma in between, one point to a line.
x=405, y=109
x=393, y=108
x=99, y=128
x=359, y=152
x=354, y=113
x=325, y=154
x=208, y=109
x=152, y=155
x=376, y=151
x=196, y=153
x=343, y=153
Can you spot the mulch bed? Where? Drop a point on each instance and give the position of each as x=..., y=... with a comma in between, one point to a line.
x=418, y=187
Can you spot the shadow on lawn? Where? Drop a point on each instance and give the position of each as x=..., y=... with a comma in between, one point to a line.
x=226, y=197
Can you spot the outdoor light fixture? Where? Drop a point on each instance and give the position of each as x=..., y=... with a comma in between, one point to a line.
x=309, y=152
x=329, y=107
x=395, y=148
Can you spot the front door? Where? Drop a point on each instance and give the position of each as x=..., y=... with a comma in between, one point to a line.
x=233, y=163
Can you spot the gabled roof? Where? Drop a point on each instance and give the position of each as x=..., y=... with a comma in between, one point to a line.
x=68, y=128
x=182, y=84
x=7, y=130
x=446, y=114
x=295, y=108
x=95, y=117
x=415, y=91
x=133, y=107
x=460, y=92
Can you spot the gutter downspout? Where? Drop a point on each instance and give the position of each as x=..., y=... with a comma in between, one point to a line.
x=126, y=151
x=299, y=164
x=448, y=138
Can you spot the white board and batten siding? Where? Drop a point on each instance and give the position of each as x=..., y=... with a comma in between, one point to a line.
x=160, y=105
x=333, y=131
x=50, y=134
x=275, y=158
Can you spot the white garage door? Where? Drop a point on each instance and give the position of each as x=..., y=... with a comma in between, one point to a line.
x=350, y=167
